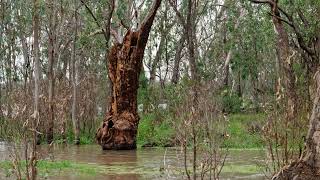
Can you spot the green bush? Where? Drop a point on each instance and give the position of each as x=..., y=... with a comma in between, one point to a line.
x=240, y=137
x=231, y=102
x=154, y=130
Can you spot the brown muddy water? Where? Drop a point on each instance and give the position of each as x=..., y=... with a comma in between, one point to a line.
x=143, y=163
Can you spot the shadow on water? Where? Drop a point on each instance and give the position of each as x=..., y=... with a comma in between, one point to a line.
x=135, y=164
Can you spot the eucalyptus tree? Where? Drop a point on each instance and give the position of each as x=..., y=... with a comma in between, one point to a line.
x=36, y=59
x=305, y=40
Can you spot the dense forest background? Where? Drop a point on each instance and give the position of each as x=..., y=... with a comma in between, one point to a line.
x=242, y=72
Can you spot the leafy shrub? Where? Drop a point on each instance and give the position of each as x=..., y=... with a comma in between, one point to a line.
x=231, y=102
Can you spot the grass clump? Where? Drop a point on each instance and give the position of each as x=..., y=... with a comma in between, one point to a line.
x=154, y=130
x=51, y=168
x=239, y=129
x=241, y=169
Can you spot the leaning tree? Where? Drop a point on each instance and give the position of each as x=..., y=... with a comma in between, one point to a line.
x=119, y=128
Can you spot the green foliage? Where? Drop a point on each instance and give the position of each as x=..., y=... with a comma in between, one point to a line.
x=153, y=132
x=240, y=137
x=145, y=130
x=231, y=102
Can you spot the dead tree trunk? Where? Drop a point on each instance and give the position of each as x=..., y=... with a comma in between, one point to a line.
x=119, y=128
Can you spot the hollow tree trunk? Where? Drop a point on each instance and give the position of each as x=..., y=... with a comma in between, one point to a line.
x=119, y=128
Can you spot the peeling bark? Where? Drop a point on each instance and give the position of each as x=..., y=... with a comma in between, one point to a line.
x=119, y=128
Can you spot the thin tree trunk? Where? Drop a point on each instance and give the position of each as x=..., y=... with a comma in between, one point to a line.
x=1, y=112
x=26, y=57
x=74, y=64
x=119, y=128
x=191, y=41
x=157, y=59
x=9, y=77
x=177, y=59
x=283, y=49
x=51, y=59
x=228, y=56
x=239, y=90
x=36, y=27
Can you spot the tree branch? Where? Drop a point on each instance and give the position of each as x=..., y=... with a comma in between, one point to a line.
x=146, y=24
x=290, y=22
x=261, y=1
x=178, y=13
x=95, y=19
x=108, y=23
x=283, y=20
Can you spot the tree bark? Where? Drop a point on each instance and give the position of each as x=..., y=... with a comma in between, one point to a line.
x=26, y=58
x=157, y=59
x=308, y=167
x=1, y=47
x=1, y=112
x=36, y=114
x=9, y=74
x=51, y=59
x=191, y=39
x=177, y=59
x=119, y=128
x=74, y=65
x=283, y=49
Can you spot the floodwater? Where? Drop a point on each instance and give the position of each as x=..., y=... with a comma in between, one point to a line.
x=144, y=163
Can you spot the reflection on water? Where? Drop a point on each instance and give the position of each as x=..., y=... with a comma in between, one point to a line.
x=140, y=164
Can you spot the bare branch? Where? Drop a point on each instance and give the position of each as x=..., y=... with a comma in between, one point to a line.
x=108, y=23
x=146, y=24
x=95, y=19
x=283, y=20
x=261, y=1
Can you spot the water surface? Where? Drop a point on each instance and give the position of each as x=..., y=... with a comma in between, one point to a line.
x=144, y=163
